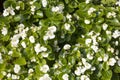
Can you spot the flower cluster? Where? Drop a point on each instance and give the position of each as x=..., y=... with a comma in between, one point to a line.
x=60, y=40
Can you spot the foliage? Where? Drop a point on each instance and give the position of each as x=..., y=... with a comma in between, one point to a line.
x=60, y=40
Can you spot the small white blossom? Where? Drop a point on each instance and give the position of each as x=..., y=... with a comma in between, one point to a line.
x=67, y=26
x=87, y=65
x=108, y=32
x=8, y=11
x=42, y=48
x=33, y=8
x=14, y=77
x=105, y=57
x=17, y=7
x=68, y=16
x=58, y=8
x=44, y=54
x=52, y=29
x=65, y=77
x=23, y=44
x=10, y=52
x=111, y=62
x=111, y=14
x=84, y=77
x=87, y=1
x=15, y=40
x=88, y=41
x=30, y=70
x=33, y=59
x=9, y=75
x=87, y=21
x=66, y=47
x=116, y=34
x=91, y=10
x=45, y=77
x=37, y=48
x=89, y=56
x=118, y=62
x=4, y=31
x=99, y=59
x=95, y=48
x=32, y=39
x=17, y=68
x=55, y=9
x=104, y=26
x=44, y=68
x=44, y=3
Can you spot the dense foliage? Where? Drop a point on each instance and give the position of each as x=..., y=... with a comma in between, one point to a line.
x=60, y=40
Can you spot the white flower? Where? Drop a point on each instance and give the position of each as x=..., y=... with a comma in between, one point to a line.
x=67, y=26
x=45, y=77
x=87, y=1
x=4, y=31
x=93, y=69
x=32, y=39
x=66, y=47
x=9, y=75
x=33, y=8
x=23, y=44
x=44, y=54
x=52, y=29
x=77, y=71
x=65, y=77
x=15, y=40
x=21, y=27
x=87, y=65
x=84, y=77
x=68, y=16
x=88, y=41
x=87, y=21
x=37, y=48
x=30, y=70
x=44, y=68
x=55, y=9
x=44, y=3
x=17, y=7
x=116, y=34
x=8, y=11
x=118, y=62
x=14, y=77
x=105, y=57
x=10, y=52
x=80, y=70
x=17, y=68
x=95, y=48
x=33, y=59
x=111, y=14
x=111, y=62
x=49, y=35
x=104, y=26
x=89, y=56
x=108, y=32
x=5, y=13
x=42, y=48
x=91, y=10
x=100, y=58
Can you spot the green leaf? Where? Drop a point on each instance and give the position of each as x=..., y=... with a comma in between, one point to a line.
x=17, y=18
x=106, y=75
x=9, y=3
x=2, y=66
x=105, y=66
x=117, y=69
x=20, y=61
x=22, y=5
x=1, y=75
